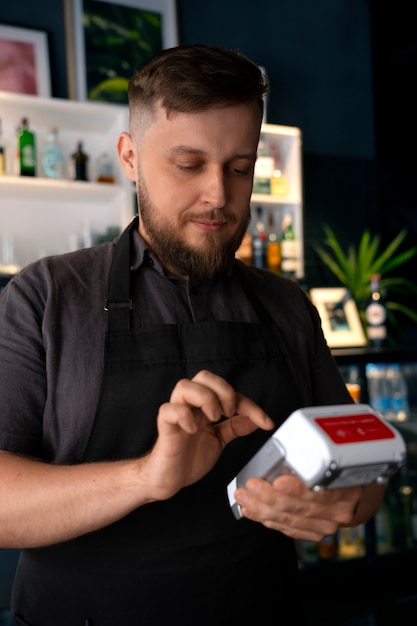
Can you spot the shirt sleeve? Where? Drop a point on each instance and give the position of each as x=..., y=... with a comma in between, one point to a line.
x=22, y=372
x=52, y=329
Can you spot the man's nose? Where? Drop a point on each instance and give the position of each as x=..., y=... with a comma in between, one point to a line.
x=214, y=187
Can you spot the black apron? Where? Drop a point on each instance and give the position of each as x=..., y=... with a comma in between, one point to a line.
x=186, y=561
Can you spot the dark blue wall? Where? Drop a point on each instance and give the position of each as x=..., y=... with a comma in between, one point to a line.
x=317, y=55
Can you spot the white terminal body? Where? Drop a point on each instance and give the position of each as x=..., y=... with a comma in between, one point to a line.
x=327, y=447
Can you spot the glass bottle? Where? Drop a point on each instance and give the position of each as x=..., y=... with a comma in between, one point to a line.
x=376, y=314
x=245, y=252
x=351, y=542
x=105, y=169
x=8, y=263
x=399, y=407
x=327, y=548
x=2, y=160
x=51, y=155
x=378, y=388
x=289, y=248
x=383, y=529
x=3, y=169
x=79, y=163
x=25, y=150
x=264, y=167
x=273, y=248
x=352, y=382
x=259, y=240
x=279, y=180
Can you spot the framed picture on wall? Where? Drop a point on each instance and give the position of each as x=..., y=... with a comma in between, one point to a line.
x=108, y=39
x=24, y=61
x=339, y=315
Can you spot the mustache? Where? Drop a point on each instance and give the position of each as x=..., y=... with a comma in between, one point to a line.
x=213, y=215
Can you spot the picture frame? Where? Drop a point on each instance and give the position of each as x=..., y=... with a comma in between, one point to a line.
x=339, y=315
x=24, y=61
x=107, y=39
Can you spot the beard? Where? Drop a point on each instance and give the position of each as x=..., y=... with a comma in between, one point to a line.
x=196, y=262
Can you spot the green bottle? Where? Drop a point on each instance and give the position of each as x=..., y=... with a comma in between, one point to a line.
x=26, y=150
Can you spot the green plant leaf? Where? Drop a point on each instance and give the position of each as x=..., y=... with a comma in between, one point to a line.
x=354, y=268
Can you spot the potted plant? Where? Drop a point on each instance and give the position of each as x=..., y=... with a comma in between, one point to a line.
x=354, y=268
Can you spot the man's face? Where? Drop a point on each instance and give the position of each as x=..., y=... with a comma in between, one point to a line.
x=194, y=174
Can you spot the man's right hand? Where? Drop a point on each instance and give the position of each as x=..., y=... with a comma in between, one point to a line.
x=42, y=503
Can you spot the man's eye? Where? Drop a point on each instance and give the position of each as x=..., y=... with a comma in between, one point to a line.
x=188, y=167
x=241, y=171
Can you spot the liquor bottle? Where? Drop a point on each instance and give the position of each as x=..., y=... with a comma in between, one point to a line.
x=273, y=248
x=51, y=155
x=327, y=548
x=399, y=406
x=25, y=150
x=259, y=241
x=245, y=251
x=352, y=382
x=105, y=169
x=2, y=160
x=279, y=180
x=383, y=529
x=8, y=263
x=378, y=387
x=289, y=248
x=376, y=314
x=264, y=167
x=79, y=160
x=3, y=169
x=351, y=542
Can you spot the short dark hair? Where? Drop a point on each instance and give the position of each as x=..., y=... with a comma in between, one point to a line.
x=196, y=77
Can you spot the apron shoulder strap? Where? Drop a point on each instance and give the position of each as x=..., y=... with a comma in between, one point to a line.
x=118, y=303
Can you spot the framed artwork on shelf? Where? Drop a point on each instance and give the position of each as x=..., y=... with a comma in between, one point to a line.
x=339, y=315
x=24, y=61
x=108, y=39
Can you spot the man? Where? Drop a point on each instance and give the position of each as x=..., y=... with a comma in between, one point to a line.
x=139, y=376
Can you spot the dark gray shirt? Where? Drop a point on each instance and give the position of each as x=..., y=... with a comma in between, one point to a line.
x=52, y=330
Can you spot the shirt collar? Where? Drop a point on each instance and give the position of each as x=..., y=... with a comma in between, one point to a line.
x=143, y=255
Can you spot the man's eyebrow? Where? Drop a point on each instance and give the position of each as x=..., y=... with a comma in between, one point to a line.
x=188, y=150
x=185, y=150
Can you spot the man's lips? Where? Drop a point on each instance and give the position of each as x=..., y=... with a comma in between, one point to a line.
x=208, y=225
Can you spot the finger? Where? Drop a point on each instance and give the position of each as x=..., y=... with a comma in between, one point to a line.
x=340, y=503
x=249, y=409
x=336, y=504
x=240, y=425
x=221, y=388
x=177, y=416
x=235, y=404
x=289, y=506
x=195, y=394
x=283, y=512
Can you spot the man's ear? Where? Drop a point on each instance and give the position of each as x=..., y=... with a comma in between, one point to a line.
x=127, y=156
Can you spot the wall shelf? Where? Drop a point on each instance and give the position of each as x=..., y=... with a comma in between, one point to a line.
x=44, y=216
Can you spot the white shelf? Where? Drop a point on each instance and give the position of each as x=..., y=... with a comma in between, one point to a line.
x=47, y=216
x=288, y=141
x=262, y=198
x=57, y=190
